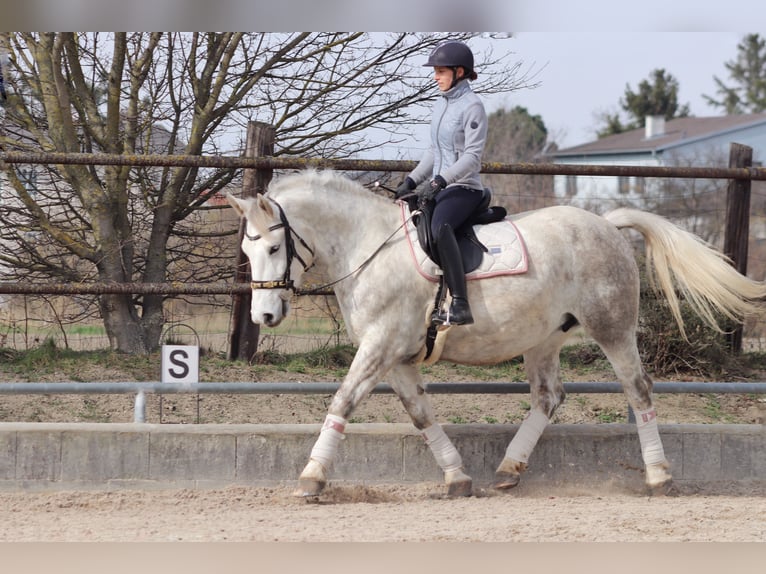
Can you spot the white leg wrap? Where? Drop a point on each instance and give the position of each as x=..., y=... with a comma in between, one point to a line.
x=526, y=438
x=649, y=436
x=330, y=436
x=441, y=446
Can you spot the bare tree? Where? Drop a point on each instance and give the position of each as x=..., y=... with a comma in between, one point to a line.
x=181, y=93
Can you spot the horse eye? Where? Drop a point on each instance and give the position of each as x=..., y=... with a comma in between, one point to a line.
x=273, y=249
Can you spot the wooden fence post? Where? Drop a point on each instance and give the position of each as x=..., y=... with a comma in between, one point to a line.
x=735, y=243
x=244, y=334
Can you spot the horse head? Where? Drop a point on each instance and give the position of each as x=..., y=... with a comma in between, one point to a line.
x=276, y=265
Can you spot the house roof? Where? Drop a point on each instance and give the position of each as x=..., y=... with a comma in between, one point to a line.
x=678, y=132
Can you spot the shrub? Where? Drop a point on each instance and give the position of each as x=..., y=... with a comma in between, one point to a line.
x=664, y=350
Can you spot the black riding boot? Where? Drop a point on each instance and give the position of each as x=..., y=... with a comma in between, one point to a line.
x=452, y=265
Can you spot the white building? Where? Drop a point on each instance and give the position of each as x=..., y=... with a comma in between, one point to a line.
x=688, y=142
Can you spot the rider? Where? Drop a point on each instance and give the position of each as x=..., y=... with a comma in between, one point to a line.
x=452, y=164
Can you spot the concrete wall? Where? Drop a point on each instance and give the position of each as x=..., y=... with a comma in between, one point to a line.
x=110, y=456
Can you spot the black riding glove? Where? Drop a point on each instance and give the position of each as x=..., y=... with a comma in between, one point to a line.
x=405, y=188
x=434, y=186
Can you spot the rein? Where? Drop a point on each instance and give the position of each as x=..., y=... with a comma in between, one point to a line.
x=291, y=253
x=361, y=266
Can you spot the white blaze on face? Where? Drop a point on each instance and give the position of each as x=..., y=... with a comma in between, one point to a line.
x=267, y=256
x=268, y=262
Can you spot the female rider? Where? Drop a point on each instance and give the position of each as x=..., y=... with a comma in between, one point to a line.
x=452, y=164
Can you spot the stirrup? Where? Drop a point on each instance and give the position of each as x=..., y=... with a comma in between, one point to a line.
x=445, y=318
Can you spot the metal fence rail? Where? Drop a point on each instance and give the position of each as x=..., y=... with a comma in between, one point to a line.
x=462, y=387
x=271, y=162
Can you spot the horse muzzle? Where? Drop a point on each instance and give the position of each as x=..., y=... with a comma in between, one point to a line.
x=272, y=317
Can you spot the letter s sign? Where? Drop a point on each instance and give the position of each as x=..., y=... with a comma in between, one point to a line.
x=180, y=364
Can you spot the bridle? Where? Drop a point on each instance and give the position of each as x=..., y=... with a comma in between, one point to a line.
x=290, y=253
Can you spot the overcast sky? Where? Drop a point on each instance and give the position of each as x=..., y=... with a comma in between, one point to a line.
x=583, y=74
x=588, y=49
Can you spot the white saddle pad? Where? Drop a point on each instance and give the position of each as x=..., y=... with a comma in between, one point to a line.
x=506, y=253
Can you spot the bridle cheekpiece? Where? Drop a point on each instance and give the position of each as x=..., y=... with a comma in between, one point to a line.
x=290, y=253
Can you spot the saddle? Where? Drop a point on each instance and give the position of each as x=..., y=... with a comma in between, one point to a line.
x=471, y=249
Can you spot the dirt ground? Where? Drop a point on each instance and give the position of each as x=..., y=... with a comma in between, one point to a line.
x=383, y=513
x=372, y=513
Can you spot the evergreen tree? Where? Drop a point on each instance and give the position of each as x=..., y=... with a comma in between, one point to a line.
x=747, y=92
x=656, y=96
x=612, y=125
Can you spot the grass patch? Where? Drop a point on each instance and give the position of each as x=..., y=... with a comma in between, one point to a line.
x=714, y=410
x=610, y=416
x=43, y=358
x=324, y=358
x=77, y=365
x=88, y=330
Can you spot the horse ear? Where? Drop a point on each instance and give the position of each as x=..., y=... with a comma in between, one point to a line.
x=264, y=205
x=256, y=209
x=237, y=204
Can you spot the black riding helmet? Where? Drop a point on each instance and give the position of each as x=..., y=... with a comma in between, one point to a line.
x=453, y=54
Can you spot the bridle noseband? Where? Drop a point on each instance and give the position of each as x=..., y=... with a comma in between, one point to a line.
x=290, y=253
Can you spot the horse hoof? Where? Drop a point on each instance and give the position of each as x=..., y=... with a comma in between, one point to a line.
x=308, y=488
x=505, y=480
x=460, y=489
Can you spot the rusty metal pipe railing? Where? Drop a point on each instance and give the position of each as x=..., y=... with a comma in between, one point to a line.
x=8, y=288
x=225, y=162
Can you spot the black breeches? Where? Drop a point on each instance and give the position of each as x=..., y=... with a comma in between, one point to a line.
x=454, y=206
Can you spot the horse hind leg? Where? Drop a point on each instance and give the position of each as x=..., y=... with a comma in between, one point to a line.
x=637, y=386
x=546, y=394
x=407, y=382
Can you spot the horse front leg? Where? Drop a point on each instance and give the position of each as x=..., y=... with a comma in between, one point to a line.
x=408, y=385
x=546, y=393
x=366, y=370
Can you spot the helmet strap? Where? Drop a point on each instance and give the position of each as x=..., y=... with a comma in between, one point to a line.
x=455, y=79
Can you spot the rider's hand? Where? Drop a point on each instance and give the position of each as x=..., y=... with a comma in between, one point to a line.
x=405, y=188
x=434, y=186
x=437, y=184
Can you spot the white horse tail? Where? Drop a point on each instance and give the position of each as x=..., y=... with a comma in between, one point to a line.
x=703, y=275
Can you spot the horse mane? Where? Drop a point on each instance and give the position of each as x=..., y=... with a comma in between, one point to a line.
x=327, y=183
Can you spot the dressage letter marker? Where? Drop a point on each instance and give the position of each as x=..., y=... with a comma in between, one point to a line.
x=180, y=364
